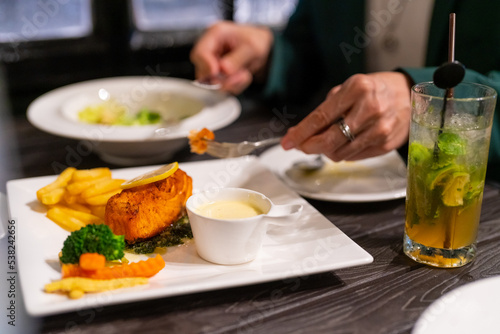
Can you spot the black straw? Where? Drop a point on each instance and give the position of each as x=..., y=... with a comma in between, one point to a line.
x=449, y=90
x=448, y=241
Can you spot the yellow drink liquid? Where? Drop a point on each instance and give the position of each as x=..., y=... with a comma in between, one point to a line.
x=456, y=227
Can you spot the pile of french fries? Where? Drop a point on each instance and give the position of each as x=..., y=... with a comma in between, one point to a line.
x=78, y=197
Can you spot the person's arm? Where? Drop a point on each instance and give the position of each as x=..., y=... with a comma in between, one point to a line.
x=295, y=64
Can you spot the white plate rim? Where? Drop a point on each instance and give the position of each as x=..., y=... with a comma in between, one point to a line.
x=45, y=111
x=277, y=160
x=349, y=253
x=478, y=296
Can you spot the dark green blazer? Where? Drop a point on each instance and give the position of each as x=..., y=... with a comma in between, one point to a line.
x=324, y=43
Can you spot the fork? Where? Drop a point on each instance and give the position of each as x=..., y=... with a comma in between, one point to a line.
x=213, y=82
x=233, y=150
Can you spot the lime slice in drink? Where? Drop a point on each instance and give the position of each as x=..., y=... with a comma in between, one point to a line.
x=440, y=176
x=419, y=154
x=455, y=189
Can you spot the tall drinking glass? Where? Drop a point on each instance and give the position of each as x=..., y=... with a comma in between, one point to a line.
x=448, y=154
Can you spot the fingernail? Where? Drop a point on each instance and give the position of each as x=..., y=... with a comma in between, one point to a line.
x=287, y=144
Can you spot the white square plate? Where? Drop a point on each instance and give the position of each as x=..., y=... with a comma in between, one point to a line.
x=312, y=244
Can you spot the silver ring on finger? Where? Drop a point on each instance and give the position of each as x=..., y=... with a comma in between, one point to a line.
x=345, y=129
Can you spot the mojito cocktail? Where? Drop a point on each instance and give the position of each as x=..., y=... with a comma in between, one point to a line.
x=446, y=172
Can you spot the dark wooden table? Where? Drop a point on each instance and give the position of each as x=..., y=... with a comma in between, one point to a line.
x=386, y=296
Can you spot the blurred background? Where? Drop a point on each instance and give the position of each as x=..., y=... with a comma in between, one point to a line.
x=45, y=44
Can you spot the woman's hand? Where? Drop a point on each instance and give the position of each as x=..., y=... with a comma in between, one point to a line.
x=237, y=52
x=375, y=107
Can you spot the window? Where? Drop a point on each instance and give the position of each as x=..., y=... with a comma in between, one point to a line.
x=32, y=20
x=167, y=23
x=162, y=15
x=46, y=44
x=272, y=13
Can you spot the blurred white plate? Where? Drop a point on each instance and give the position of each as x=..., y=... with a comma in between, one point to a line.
x=375, y=179
x=309, y=245
x=471, y=308
x=4, y=214
x=56, y=112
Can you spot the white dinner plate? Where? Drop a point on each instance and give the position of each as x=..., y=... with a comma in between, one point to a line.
x=55, y=111
x=178, y=100
x=309, y=245
x=471, y=308
x=375, y=179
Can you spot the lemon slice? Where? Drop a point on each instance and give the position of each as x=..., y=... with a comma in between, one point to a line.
x=152, y=176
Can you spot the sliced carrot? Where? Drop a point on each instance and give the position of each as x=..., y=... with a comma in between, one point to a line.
x=146, y=268
x=92, y=261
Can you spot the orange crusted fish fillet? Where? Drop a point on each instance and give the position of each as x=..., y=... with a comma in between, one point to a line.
x=144, y=211
x=198, y=140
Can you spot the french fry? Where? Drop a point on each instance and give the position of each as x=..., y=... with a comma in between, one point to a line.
x=69, y=223
x=62, y=180
x=53, y=196
x=88, y=174
x=76, y=286
x=78, y=197
x=75, y=188
x=84, y=217
x=81, y=200
x=102, y=187
x=70, y=199
x=98, y=210
x=80, y=207
x=101, y=199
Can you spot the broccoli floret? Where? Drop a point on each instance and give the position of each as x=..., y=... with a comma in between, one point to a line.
x=145, y=117
x=93, y=239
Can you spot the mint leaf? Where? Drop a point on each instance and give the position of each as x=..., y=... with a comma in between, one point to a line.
x=451, y=144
